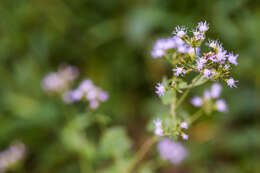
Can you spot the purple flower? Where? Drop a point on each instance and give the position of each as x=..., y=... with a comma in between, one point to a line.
x=198, y=35
x=196, y=101
x=53, y=83
x=93, y=104
x=233, y=59
x=86, y=85
x=207, y=73
x=178, y=71
x=200, y=63
x=221, y=56
x=203, y=26
x=161, y=46
x=226, y=66
x=103, y=96
x=232, y=83
x=76, y=95
x=179, y=31
x=184, y=125
x=221, y=105
x=171, y=151
x=158, y=127
x=185, y=136
x=207, y=95
x=160, y=89
x=215, y=90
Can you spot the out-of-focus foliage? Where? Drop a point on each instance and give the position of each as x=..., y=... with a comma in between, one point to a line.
x=110, y=41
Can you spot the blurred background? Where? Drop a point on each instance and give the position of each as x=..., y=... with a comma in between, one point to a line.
x=110, y=42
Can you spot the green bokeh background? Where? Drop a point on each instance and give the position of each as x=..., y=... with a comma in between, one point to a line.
x=110, y=42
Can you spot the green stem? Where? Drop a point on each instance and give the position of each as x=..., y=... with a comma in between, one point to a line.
x=141, y=153
x=186, y=92
x=195, y=116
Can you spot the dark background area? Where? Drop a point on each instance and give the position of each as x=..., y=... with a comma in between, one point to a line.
x=110, y=42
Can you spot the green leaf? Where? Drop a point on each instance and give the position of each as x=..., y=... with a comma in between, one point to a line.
x=114, y=142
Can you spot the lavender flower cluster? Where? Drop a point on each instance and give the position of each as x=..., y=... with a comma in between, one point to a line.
x=11, y=155
x=61, y=81
x=209, y=97
x=184, y=52
x=86, y=90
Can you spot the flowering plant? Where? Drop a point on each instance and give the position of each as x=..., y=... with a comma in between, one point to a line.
x=193, y=65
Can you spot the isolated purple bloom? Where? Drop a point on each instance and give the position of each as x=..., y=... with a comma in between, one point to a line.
x=171, y=151
x=221, y=105
x=207, y=73
x=179, y=31
x=184, y=125
x=232, y=83
x=233, y=59
x=178, y=71
x=203, y=26
x=215, y=90
x=196, y=101
x=185, y=136
x=160, y=89
x=158, y=127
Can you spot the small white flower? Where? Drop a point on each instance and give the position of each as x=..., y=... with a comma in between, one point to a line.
x=178, y=71
x=179, y=31
x=185, y=136
x=184, y=125
x=221, y=105
x=158, y=127
x=233, y=59
x=215, y=90
x=203, y=26
x=196, y=101
x=160, y=89
x=232, y=83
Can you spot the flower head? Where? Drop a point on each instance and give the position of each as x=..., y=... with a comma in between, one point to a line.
x=215, y=90
x=178, y=71
x=207, y=73
x=221, y=105
x=160, y=89
x=233, y=59
x=171, y=151
x=196, y=101
x=158, y=127
x=185, y=136
x=232, y=83
x=184, y=125
x=200, y=63
x=203, y=26
x=179, y=31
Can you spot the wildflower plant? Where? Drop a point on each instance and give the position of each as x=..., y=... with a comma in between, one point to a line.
x=194, y=62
